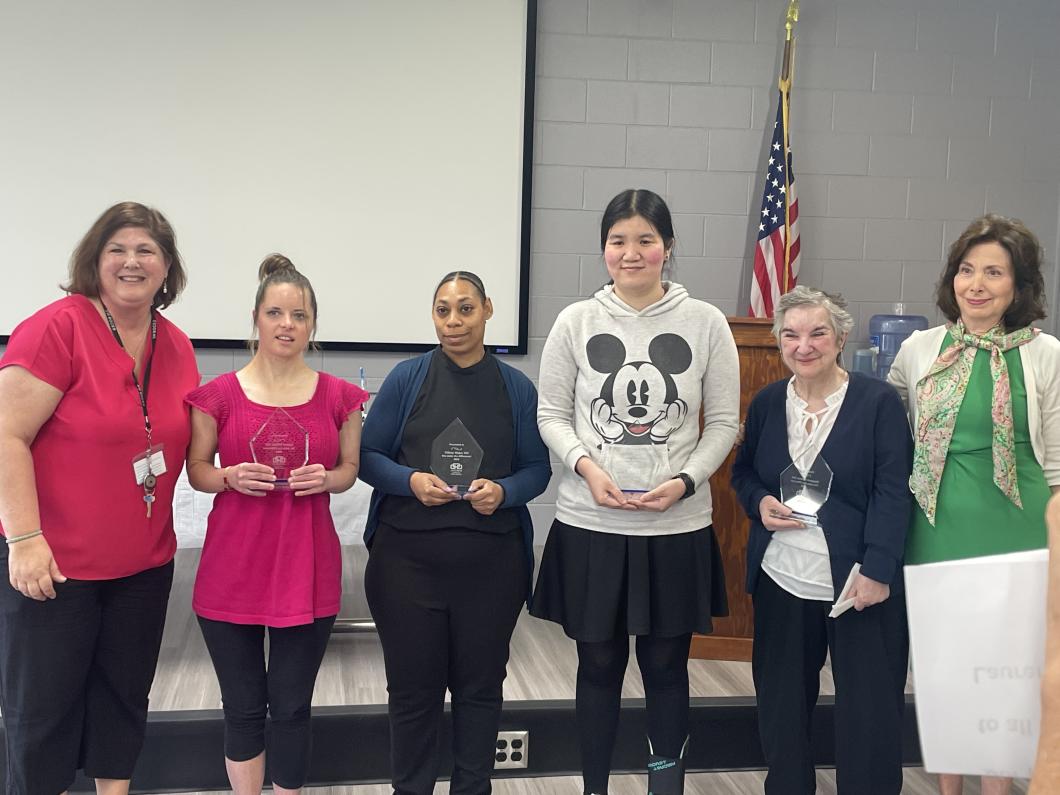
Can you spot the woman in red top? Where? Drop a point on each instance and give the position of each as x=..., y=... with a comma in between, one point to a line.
x=92, y=437
x=288, y=437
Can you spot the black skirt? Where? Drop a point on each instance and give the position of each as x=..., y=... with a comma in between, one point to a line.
x=602, y=585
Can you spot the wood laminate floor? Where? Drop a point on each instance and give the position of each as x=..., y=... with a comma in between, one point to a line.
x=543, y=664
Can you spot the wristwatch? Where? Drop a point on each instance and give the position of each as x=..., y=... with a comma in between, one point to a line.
x=690, y=485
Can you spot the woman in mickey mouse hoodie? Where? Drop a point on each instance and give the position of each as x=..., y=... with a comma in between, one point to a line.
x=624, y=378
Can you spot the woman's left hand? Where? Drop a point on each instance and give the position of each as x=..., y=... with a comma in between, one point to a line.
x=485, y=496
x=310, y=479
x=867, y=592
x=661, y=497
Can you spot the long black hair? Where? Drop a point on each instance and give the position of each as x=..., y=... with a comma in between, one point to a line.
x=645, y=203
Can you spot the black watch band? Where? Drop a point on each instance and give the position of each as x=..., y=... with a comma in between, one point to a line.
x=690, y=485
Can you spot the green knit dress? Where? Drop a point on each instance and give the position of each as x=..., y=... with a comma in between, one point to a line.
x=973, y=517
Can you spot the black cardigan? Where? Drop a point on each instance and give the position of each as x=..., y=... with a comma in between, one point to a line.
x=870, y=453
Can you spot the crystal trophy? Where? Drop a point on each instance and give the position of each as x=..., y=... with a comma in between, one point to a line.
x=281, y=443
x=805, y=492
x=635, y=468
x=455, y=456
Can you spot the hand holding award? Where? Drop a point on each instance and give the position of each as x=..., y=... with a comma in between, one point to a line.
x=456, y=457
x=281, y=443
x=805, y=492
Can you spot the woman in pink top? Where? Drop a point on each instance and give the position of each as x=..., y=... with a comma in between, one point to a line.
x=93, y=431
x=288, y=437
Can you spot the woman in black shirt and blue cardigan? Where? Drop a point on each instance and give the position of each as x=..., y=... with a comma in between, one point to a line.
x=448, y=571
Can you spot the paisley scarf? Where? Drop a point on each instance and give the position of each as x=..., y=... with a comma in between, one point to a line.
x=939, y=396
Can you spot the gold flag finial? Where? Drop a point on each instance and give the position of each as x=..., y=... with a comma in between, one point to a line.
x=789, y=45
x=793, y=17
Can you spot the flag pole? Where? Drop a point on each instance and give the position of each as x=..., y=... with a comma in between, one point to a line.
x=784, y=84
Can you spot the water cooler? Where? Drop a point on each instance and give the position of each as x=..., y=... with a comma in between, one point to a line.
x=887, y=332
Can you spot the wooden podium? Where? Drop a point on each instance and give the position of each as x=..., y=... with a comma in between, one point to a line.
x=760, y=364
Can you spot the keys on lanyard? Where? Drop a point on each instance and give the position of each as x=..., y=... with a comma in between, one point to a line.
x=149, y=491
x=150, y=480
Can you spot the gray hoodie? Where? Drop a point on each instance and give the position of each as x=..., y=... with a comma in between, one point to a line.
x=626, y=388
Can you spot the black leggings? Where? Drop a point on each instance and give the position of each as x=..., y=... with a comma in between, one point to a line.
x=283, y=690
x=601, y=667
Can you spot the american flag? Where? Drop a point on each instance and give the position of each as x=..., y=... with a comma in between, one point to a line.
x=776, y=263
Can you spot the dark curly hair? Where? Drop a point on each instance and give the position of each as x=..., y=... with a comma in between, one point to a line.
x=1023, y=249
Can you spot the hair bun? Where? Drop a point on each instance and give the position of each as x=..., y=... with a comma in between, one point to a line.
x=274, y=263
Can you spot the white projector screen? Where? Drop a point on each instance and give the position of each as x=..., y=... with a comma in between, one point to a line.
x=377, y=143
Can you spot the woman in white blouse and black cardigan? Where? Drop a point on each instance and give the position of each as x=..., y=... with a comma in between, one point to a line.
x=857, y=425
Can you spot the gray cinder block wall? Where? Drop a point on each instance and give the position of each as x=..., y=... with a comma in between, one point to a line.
x=909, y=117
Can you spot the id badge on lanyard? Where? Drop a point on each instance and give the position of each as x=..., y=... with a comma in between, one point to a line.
x=151, y=463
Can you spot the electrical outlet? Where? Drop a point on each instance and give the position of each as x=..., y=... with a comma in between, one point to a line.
x=513, y=749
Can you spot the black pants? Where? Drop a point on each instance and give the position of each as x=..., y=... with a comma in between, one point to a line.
x=281, y=690
x=870, y=653
x=75, y=673
x=601, y=668
x=445, y=603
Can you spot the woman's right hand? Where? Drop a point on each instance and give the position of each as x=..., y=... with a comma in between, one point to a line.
x=32, y=568
x=254, y=480
x=604, y=490
x=772, y=512
x=431, y=490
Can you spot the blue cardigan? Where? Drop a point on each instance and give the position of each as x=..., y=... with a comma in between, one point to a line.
x=870, y=453
x=385, y=426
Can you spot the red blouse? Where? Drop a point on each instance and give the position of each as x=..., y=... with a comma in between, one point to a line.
x=91, y=510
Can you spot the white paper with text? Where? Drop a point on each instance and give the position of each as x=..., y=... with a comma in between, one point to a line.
x=977, y=639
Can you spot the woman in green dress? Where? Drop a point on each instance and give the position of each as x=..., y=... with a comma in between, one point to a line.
x=983, y=393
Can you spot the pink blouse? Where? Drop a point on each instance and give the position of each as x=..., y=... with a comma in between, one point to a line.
x=272, y=560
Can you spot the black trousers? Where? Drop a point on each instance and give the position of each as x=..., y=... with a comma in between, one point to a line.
x=75, y=673
x=870, y=654
x=282, y=691
x=445, y=603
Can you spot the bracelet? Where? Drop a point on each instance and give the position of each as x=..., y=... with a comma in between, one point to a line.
x=15, y=539
x=224, y=478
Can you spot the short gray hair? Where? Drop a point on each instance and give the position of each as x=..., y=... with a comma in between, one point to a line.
x=841, y=321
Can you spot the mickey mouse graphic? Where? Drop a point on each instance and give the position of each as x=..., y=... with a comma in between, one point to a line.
x=639, y=402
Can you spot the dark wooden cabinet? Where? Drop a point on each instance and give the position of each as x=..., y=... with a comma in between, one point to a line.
x=760, y=364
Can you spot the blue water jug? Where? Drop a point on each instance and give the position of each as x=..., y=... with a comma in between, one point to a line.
x=888, y=332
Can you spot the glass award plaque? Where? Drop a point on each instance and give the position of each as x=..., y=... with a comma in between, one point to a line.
x=455, y=456
x=636, y=468
x=805, y=492
x=281, y=443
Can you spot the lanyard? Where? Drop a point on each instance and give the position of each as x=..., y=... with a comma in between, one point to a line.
x=141, y=390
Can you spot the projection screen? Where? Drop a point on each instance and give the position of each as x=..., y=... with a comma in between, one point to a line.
x=379, y=145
